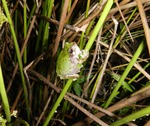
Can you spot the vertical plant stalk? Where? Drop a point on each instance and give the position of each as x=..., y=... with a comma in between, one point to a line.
x=125, y=73
x=25, y=29
x=24, y=44
x=82, y=42
x=60, y=29
x=4, y=96
x=61, y=96
x=71, y=10
x=99, y=24
x=17, y=53
x=49, y=3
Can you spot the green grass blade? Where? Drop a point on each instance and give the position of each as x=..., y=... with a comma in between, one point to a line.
x=99, y=24
x=46, y=31
x=125, y=73
x=61, y=96
x=124, y=84
x=139, y=73
x=17, y=53
x=131, y=117
x=25, y=29
x=4, y=97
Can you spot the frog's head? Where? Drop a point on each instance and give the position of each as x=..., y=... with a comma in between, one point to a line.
x=74, y=52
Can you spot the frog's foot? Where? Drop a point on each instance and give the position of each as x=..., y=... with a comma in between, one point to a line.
x=83, y=56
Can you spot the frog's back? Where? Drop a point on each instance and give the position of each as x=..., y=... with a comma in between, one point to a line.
x=62, y=65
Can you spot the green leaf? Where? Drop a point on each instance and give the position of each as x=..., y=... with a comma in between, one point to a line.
x=77, y=88
x=124, y=84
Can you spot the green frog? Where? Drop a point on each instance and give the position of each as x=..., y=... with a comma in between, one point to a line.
x=70, y=61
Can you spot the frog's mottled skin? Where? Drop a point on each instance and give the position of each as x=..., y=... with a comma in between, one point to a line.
x=70, y=61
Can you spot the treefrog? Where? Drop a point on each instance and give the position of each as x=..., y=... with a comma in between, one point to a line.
x=70, y=61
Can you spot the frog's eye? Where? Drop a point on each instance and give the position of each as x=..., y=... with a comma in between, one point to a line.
x=71, y=51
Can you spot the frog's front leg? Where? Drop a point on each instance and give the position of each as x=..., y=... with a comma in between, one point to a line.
x=73, y=77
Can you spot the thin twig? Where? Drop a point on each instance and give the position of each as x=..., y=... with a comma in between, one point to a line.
x=58, y=90
x=86, y=112
x=106, y=61
x=86, y=86
x=144, y=23
x=123, y=103
x=124, y=20
x=61, y=25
